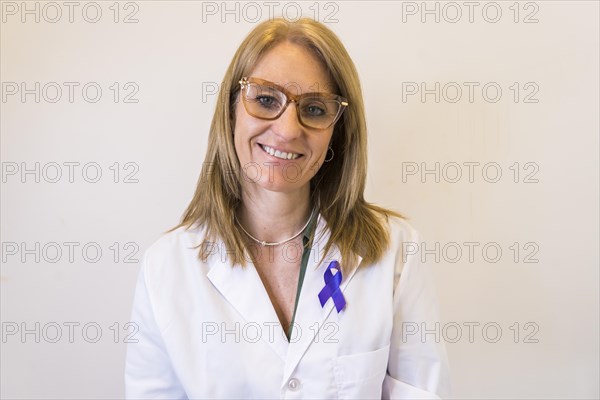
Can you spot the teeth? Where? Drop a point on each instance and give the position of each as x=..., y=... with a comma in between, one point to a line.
x=280, y=154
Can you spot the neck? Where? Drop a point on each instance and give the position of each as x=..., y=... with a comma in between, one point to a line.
x=274, y=216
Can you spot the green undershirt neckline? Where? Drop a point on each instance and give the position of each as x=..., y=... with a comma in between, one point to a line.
x=303, y=263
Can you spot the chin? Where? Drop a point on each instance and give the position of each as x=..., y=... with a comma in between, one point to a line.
x=279, y=184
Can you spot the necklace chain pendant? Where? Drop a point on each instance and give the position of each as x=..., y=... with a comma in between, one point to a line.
x=264, y=243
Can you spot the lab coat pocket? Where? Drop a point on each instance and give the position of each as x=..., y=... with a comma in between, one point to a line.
x=360, y=376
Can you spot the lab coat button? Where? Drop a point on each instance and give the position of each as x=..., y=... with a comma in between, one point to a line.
x=294, y=384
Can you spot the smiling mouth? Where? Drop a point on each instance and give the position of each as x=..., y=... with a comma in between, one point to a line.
x=280, y=154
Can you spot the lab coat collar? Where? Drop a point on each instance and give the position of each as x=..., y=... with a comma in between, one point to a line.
x=244, y=290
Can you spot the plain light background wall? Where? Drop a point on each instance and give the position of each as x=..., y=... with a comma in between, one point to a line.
x=516, y=159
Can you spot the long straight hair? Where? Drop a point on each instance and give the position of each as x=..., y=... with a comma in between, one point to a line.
x=336, y=190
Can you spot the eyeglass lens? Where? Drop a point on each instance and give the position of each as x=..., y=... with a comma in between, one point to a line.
x=267, y=102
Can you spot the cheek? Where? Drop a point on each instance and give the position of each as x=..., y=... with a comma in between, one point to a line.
x=246, y=130
x=248, y=127
x=324, y=143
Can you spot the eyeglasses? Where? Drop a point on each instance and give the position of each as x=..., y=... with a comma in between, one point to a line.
x=267, y=100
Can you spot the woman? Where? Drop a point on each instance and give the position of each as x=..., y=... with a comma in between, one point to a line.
x=281, y=281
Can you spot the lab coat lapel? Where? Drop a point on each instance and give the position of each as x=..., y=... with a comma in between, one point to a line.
x=244, y=290
x=310, y=316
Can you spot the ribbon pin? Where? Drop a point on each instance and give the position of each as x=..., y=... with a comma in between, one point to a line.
x=332, y=287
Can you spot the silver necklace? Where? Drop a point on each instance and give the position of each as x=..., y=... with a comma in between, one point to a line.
x=264, y=243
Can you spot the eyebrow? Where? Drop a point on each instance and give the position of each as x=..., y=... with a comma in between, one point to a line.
x=294, y=84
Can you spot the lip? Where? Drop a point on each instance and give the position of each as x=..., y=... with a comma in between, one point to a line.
x=260, y=146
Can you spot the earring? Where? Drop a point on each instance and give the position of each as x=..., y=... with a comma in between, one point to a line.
x=332, y=154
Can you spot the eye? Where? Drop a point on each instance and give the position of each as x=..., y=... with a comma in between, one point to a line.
x=314, y=109
x=267, y=101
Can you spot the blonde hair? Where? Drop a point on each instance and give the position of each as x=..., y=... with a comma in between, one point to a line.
x=357, y=227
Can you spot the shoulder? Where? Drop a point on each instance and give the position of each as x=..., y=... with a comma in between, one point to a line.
x=170, y=274
x=405, y=242
x=172, y=242
x=401, y=231
x=172, y=250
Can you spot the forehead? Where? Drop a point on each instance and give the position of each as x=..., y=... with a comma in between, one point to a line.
x=293, y=66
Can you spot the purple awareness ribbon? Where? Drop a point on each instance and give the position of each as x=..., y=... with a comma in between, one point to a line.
x=332, y=287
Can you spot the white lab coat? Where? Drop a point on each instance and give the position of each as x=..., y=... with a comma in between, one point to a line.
x=207, y=330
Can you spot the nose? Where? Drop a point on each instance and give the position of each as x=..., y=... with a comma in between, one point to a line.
x=288, y=126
